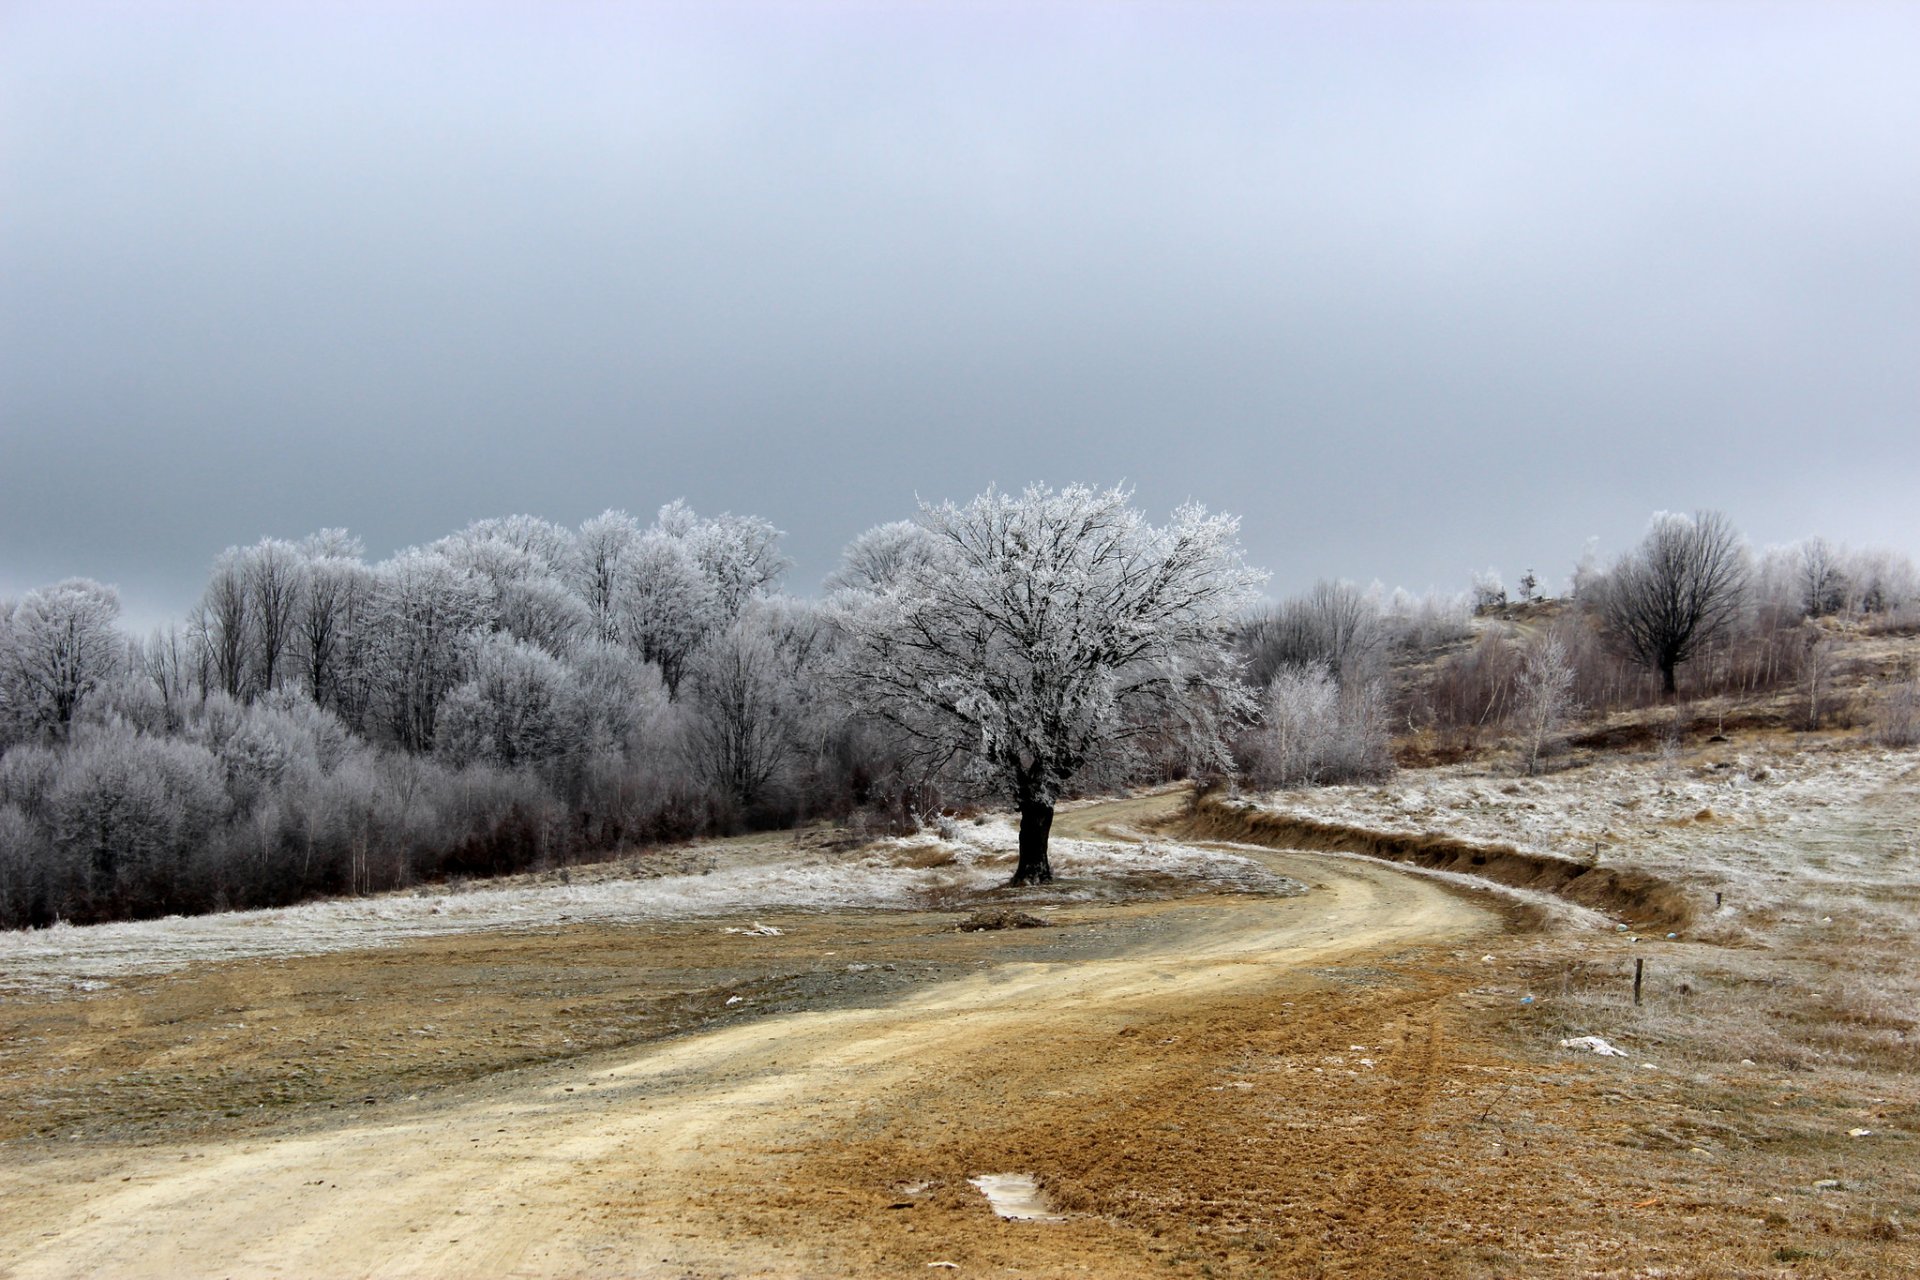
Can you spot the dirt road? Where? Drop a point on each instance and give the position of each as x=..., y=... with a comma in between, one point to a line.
x=838, y=1141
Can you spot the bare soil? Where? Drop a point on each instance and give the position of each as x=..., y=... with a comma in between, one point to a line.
x=1353, y=1082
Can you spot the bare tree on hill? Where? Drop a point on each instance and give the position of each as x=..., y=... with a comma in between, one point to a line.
x=1684, y=585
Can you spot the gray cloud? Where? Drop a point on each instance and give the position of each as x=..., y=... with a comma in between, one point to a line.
x=1412, y=289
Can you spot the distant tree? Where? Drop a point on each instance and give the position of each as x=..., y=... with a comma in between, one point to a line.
x=1529, y=585
x=516, y=709
x=424, y=607
x=1816, y=669
x=1543, y=694
x=740, y=556
x=127, y=813
x=520, y=569
x=56, y=645
x=743, y=698
x=1489, y=592
x=550, y=545
x=1051, y=630
x=875, y=560
x=330, y=639
x=666, y=605
x=222, y=622
x=1336, y=626
x=602, y=558
x=1683, y=586
x=1823, y=580
x=274, y=578
x=166, y=659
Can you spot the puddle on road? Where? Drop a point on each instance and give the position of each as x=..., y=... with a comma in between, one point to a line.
x=1016, y=1196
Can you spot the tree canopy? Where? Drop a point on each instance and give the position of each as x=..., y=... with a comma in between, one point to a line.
x=1043, y=632
x=1683, y=585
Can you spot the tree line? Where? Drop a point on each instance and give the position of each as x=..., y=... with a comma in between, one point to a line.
x=523, y=694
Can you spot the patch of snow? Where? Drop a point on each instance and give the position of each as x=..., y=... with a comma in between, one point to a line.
x=1015, y=1196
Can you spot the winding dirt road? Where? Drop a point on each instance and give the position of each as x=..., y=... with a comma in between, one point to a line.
x=1148, y=1087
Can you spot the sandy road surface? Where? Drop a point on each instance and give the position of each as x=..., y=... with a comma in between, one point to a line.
x=820, y=1143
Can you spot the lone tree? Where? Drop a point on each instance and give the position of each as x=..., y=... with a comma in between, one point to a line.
x=1683, y=585
x=1048, y=632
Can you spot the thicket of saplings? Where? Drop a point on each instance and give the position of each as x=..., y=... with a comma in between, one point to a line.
x=1346, y=676
x=525, y=695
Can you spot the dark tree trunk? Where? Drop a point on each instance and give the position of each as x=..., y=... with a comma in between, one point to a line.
x=1036, y=822
x=1666, y=678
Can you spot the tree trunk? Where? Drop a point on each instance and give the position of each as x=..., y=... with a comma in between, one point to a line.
x=1666, y=678
x=1036, y=823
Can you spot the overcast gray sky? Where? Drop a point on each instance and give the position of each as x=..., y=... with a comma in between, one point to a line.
x=1413, y=289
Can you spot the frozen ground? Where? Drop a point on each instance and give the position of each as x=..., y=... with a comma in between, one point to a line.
x=1775, y=830
x=929, y=870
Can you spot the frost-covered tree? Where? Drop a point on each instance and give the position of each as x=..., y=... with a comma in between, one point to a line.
x=1543, y=695
x=1682, y=587
x=1317, y=729
x=1823, y=582
x=126, y=814
x=519, y=566
x=330, y=632
x=1885, y=580
x=549, y=544
x=666, y=605
x=1337, y=625
x=424, y=606
x=222, y=623
x=875, y=560
x=743, y=701
x=602, y=558
x=56, y=645
x=738, y=555
x=167, y=660
x=1489, y=592
x=517, y=708
x=621, y=704
x=274, y=576
x=1050, y=631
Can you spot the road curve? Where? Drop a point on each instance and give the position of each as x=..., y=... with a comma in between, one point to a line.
x=615, y=1169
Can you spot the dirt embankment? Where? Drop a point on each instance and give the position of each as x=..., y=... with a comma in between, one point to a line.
x=1635, y=896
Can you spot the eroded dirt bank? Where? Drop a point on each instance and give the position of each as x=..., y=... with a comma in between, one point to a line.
x=1639, y=897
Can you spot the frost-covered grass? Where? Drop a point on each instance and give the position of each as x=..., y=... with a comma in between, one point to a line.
x=918, y=872
x=1094, y=869
x=1768, y=828
x=1806, y=863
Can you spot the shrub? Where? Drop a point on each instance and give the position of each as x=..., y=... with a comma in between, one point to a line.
x=1314, y=730
x=1896, y=720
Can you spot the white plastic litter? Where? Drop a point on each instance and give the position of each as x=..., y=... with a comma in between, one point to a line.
x=758, y=931
x=1593, y=1044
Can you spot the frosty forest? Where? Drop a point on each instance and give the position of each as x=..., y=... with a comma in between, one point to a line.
x=520, y=694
